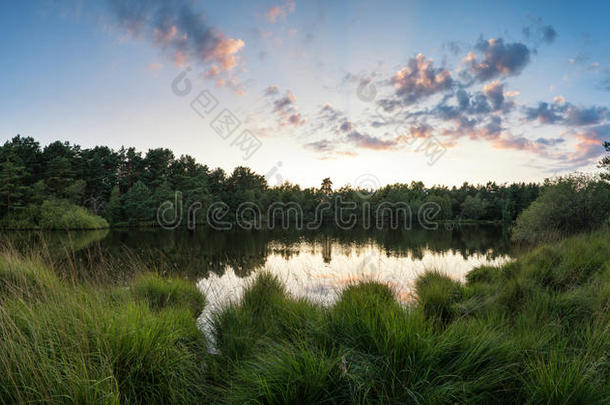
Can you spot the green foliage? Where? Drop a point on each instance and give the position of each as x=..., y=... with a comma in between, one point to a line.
x=532, y=331
x=566, y=206
x=605, y=163
x=127, y=187
x=60, y=214
x=163, y=293
x=137, y=203
x=76, y=191
x=287, y=374
x=21, y=278
x=112, y=211
x=437, y=294
x=63, y=343
x=473, y=207
x=11, y=185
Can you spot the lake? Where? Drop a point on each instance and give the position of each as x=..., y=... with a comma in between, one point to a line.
x=312, y=264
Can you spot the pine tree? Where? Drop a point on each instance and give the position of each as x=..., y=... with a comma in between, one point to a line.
x=112, y=211
x=605, y=162
x=137, y=203
x=11, y=185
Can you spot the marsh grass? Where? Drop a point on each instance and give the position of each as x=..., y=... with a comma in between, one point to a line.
x=534, y=330
x=66, y=342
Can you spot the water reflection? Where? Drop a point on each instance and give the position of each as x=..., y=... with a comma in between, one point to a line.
x=319, y=266
x=203, y=252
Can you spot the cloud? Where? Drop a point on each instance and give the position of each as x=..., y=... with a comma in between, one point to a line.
x=370, y=142
x=538, y=32
x=453, y=47
x=588, y=147
x=604, y=84
x=465, y=127
x=225, y=52
x=323, y=145
x=550, y=141
x=473, y=107
x=284, y=104
x=280, y=11
x=178, y=29
x=271, y=90
x=494, y=92
x=510, y=141
x=346, y=126
x=548, y=34
x=567, y=114
x=213, y=71
x=497, y=59
x=421, y=131
x=329, y=112
x=296, y=119
x=579, y=116
x=545, y=113
x=419, y=79
x=285, y=107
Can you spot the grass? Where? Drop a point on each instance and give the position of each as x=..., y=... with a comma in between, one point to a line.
x=532, y=331
x=87, y=343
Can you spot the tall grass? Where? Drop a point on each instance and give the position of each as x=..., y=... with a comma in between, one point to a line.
x=62, y=342
x=532, y=331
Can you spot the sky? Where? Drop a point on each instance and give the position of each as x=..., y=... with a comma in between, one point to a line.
x=364, y=92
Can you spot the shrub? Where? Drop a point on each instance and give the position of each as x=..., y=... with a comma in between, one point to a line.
x=566, y=206
x=60, y=214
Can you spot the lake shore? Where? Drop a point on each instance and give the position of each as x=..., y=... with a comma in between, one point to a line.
x=531, y=330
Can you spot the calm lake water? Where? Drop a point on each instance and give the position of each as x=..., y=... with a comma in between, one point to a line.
x=315, y=265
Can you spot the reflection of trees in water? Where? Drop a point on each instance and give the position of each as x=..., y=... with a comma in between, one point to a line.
x=327, y=250
x=53, y=241
x=198, y=253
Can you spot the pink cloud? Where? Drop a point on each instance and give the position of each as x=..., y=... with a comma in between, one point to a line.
x=224, y=53
x=420, y=79
x=280, y=11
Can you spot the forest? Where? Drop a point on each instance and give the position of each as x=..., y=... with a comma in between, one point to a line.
x=65, y=186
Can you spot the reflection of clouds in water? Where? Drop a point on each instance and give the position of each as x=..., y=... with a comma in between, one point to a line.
x=307, y=274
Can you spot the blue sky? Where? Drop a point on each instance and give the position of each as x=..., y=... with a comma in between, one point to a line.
x=395, y=90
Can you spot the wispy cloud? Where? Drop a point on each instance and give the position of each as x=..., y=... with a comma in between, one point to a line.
x=178, y=29
x=280, y=11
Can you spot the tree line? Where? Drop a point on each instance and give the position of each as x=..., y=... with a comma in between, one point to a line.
x=125, y=187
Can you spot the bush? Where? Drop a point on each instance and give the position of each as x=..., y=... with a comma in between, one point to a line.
x=566, y=206
x=61, y=214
